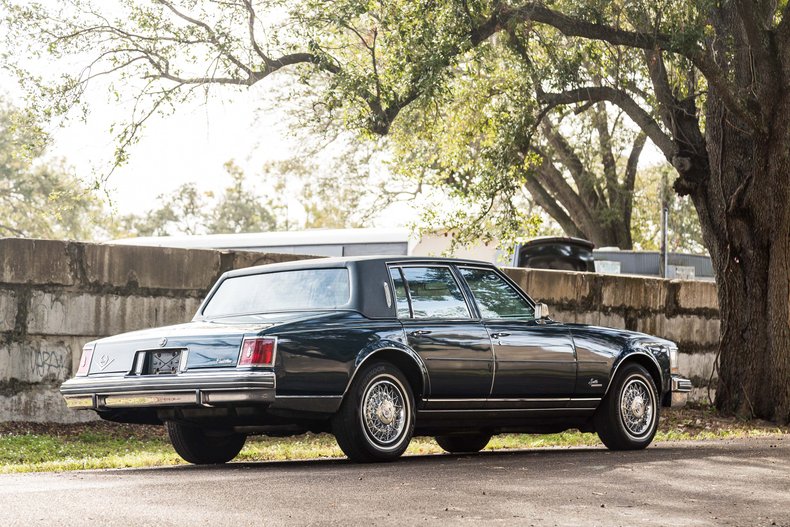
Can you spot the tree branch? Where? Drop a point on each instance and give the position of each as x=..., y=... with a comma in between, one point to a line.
x=251, y=18
x=12, y=230
x=756, y=36
x=555, y=182
x=679, y=116
x=601, y=123
x=585, y=182
x=212, y=36
x=663, y=91
x=620, y=98
x=548, y=203
x=630, y=176
x=573, y=27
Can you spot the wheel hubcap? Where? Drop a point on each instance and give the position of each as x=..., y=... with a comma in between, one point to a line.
x=636, y=407
x=384, y=413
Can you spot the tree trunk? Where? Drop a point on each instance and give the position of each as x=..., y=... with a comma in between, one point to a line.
x=608, y=232
x=742, y=201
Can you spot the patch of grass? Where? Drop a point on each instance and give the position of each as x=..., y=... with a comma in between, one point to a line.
x=35, y=448
x=37, y=452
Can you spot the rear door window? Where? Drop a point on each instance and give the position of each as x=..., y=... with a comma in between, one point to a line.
x=435, y=293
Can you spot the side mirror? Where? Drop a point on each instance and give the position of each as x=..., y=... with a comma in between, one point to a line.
x=541, y=311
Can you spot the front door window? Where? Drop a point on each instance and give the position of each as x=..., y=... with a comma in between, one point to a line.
x=495, y=298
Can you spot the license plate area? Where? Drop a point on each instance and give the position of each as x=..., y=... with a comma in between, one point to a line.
x=162, y=362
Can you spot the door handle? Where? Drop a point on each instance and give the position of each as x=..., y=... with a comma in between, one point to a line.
x=499, y=335
x=420, y=332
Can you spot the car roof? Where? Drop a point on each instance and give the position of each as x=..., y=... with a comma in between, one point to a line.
x=346, y=261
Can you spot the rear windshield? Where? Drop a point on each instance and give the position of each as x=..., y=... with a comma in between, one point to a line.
x=282, y=291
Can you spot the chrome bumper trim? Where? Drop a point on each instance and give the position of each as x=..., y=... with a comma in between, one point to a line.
x=187, y=389
x=680, y=390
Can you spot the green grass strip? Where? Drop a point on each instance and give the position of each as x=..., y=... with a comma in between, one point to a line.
x=100, y=450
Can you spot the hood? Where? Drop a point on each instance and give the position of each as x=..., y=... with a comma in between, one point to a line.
x=622, y=337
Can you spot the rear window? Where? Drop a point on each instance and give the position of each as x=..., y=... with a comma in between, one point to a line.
x=283, y=291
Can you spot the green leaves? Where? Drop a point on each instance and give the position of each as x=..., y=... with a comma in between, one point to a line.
x=40, y=198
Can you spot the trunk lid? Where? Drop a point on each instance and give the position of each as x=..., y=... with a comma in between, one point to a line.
x=211, y=344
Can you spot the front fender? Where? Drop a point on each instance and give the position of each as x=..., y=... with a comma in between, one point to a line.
x=651, y=354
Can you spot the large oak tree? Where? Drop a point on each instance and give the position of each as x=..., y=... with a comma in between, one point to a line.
x=709, y=88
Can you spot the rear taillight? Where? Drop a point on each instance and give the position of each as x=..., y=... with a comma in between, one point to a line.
x=85, y=360
x=258, y=352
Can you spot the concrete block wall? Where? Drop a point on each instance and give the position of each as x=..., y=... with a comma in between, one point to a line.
x=55, y=296
x=684, y=311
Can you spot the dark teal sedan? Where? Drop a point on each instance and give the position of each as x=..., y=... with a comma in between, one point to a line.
x=377, y=350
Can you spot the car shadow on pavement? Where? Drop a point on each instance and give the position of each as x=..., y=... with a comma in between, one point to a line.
x=672, y=452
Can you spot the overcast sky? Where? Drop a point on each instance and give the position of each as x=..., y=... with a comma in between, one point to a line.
x=249, y=126
x=190, y=145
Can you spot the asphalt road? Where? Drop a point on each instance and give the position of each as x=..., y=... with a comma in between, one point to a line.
x=743, y=482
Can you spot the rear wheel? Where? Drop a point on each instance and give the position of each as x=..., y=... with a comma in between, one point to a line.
x=376, y=419
x=628, y=416
x=462, y=444
x=204, y=447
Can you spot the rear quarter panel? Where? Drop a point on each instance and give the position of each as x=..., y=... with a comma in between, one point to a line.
x=318, y=357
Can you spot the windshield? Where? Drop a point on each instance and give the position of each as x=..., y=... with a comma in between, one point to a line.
x=283, y=291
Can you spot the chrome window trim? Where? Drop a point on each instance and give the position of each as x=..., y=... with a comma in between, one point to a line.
x=512, y=400
x=388, y=295
x=491, y=410
x=391, y=268
x=309, y=396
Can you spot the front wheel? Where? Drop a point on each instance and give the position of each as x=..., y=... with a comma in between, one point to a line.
x=204, y=447
x=627, y=418
x=376, y=420
x=463, y=444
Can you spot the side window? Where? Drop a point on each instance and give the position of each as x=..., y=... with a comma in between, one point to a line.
x=435, y=293
x=495, y=297
x=401, y=300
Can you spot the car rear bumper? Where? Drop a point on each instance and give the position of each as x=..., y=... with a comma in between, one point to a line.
x=681, y=387
x=184, y=389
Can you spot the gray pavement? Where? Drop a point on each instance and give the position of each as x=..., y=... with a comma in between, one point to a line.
x=739, y=482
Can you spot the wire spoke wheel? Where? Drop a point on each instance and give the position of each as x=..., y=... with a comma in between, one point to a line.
x=627, y=418
x=384, y=412
x=376, y=420
x=636, y=407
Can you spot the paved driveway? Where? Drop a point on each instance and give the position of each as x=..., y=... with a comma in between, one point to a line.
x=743, y=482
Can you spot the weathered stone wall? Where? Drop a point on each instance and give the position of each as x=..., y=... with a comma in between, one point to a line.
x=684, y=311
x=56, y=296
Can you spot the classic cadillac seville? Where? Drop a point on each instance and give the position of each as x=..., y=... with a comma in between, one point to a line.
x=377, y=350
